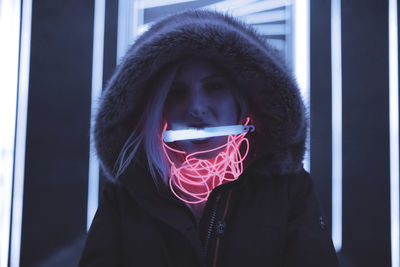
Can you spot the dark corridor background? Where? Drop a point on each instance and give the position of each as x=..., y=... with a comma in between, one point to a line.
x=57, y=144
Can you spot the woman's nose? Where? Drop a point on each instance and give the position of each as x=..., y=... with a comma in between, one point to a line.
x=199, y=105
x=197, y=113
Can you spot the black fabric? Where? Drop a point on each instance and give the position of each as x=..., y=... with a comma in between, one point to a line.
x=268, y=217
x=271, y=221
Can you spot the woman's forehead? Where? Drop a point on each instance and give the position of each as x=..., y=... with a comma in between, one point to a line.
x=197, y=69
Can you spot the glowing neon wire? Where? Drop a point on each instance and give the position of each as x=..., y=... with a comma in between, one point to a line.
x=193, y=181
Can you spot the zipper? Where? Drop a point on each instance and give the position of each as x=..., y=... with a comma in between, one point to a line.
x=211, y=227
x=211, y=224
x=223, y=224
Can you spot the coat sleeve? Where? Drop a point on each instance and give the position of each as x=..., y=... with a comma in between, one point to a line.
x=308, y=237
x=102, y=247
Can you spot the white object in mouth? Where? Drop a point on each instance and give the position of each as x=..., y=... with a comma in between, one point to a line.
x=193, y=133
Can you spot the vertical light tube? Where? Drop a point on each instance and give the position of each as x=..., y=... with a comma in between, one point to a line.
x=130, y=22
x=9, y=59
x=97, y=86
x=394, y=131
x=22, y=113
x=124, y=26
x=336, y=54
x=137, y=20
x=301, y=32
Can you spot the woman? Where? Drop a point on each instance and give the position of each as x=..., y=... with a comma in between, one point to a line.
x=205, y=198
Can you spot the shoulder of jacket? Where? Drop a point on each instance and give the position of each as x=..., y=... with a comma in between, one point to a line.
x=295, y=184
x=111, y=190
x=299, y=185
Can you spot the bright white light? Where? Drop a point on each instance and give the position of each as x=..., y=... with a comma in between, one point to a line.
x=271, y=29
x=97, y=85
x=189, y=134
x=130, y=21
x=336, y=54
x=394, y=131
x=143, y=28
x=301, y=61
x=136, y=21
x=257, y=6
x=301, y=46
x=123, y=32
x=229, y=5
x=21, y=119
x=158, y=3
x=265, y=17
x=9, y=55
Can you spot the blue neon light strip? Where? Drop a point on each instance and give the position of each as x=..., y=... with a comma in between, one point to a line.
x=159, y=3
x=301, y=59
x=188, y=134
x=19, y=164
x=9, y=62
x=124, y=23
x=394, y=131
x=97, y=85
x=336, y=54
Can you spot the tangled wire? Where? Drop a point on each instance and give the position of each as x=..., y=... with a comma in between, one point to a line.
x=193, y=181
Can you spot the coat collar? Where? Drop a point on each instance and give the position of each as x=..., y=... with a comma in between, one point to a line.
x=161, y=204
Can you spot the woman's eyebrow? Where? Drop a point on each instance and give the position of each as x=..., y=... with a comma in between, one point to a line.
x=212, y=76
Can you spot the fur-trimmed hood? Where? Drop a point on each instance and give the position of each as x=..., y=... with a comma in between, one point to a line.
x=273, y=98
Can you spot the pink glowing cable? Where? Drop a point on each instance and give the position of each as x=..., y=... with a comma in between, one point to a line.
x=193, y=181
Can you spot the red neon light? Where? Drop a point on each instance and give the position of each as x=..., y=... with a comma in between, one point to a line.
x=193, y=181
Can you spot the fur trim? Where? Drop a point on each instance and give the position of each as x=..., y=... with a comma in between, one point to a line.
x=274, y=101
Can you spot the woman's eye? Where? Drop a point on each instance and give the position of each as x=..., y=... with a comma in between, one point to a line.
x=214, y=86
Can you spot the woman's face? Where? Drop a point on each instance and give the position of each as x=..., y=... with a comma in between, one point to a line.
x=200, y=96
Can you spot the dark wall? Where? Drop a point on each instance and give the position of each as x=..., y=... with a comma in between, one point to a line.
x=366, y=179
x=57, y=147
x=320, y=102
x=57, y=144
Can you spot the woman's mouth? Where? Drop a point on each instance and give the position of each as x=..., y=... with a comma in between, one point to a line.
x=199, y=125
x=201, y=141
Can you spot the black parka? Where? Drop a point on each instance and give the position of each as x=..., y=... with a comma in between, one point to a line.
x=269, y=216
x=258, y=220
